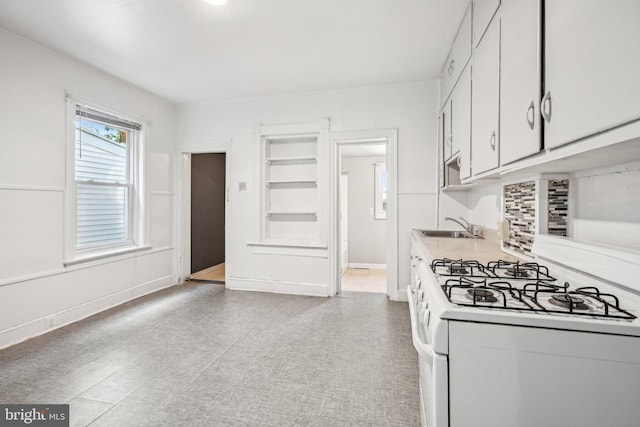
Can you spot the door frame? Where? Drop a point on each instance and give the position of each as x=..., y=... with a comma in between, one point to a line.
x=184, y=214
x=339, y=139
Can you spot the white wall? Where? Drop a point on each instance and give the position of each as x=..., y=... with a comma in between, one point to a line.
x=367, y=235
x=605, y=205
x=411, y=108
x=480, y=205
x=36, y=291
x=611, y=194
x=485, y=205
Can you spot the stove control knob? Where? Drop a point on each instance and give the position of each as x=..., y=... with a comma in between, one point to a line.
x=425, y=304
x=420, y=295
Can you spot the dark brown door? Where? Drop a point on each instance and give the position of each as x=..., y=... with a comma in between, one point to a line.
x=207, y=210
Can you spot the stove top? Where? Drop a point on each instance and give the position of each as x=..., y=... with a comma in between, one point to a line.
x=504, y=285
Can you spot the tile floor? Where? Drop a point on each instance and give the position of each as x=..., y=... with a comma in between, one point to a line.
x=364, y=280
x=200, y=355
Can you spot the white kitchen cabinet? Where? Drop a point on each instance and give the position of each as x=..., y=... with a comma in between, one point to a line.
x=461, y=122
x=455, y=122
x=592, y=58
x=445, y=115
x=483, y=12
x=485, y=102
x=520, y=79
x=458, y=57
x=442, y=151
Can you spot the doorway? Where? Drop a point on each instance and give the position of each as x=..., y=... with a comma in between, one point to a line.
x=207, y=217
x=362, y=218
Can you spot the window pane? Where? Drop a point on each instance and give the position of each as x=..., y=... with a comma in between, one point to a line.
x=101, y=152
x=380, y=194
x=102, y=215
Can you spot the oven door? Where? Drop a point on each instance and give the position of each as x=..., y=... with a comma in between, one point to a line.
x=434, y=368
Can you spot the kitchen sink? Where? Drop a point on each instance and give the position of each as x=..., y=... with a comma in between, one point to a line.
x=453, y=234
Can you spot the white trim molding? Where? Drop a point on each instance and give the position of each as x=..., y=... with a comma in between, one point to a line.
x=390, y=137
x=53, y=321
x=365, y=265
x=274, y=286
x=183, y=207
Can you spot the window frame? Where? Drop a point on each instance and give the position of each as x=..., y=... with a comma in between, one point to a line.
x=135, y=218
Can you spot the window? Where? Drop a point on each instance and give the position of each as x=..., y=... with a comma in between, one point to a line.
x=380, y=194
x=105, y=182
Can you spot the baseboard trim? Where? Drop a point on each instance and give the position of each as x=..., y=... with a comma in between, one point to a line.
x=367, y=265
x=277, y=287
x=41, y=326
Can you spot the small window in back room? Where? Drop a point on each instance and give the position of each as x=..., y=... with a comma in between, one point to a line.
x=105, y=180
x=380, y=193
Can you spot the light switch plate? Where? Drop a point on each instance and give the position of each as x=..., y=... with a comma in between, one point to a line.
x=242, y=186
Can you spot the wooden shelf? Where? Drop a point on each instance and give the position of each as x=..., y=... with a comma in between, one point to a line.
x=292, y=159
x=291, y=181
x=292, y=213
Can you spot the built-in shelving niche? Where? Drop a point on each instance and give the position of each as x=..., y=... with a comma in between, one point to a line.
x=291, y=187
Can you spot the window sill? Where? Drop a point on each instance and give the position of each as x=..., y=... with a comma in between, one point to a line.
x=105, y=254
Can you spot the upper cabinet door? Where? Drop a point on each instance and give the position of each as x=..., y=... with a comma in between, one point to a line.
x=458, y=57
x=520, y=79
x=592, y=63
x=447, y=141
x=485, y=101
x=483, y=11
x=461, y=121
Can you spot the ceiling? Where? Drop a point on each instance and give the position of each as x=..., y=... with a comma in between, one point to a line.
x=189, y=51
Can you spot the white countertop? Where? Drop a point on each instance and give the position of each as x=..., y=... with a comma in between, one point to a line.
x=482, y=250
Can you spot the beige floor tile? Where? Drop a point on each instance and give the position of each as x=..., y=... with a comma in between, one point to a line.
x=364, y=280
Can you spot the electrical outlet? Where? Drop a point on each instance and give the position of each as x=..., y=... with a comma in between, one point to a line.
x=242, y=186
x=503, y=231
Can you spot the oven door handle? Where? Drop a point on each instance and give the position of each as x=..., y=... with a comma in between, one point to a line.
x=421, y=347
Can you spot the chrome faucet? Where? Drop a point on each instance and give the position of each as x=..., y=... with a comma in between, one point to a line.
x=471, y=229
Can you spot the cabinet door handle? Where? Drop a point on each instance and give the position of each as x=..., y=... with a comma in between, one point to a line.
x=492, y=141
x=451, y=67
x=545, y=107
x=531, y=115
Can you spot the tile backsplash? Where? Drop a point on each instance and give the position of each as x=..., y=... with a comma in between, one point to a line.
x=520, y=212
x=557, y=207
x=523, y=200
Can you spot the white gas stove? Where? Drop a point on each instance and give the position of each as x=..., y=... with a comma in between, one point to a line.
x=528, y=287
x=519, y=336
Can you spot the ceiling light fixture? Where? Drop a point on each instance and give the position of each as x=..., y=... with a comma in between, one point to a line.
x=216, y=2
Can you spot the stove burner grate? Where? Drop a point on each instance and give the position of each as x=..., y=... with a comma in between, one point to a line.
x=517, y=273
x=481, y=295
x=534, y=296
x=568, y=301
x=451, y=267
x=517, y=270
